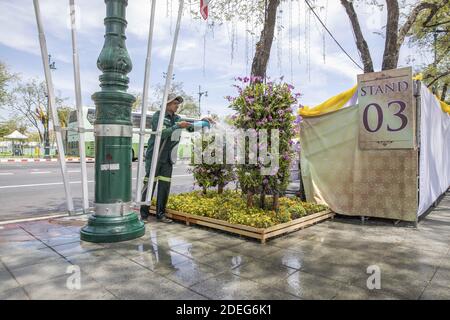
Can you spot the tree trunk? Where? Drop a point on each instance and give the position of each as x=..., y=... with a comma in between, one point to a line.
x=46, y=139
x=444, y=92
x=220, y=188
x=204, y=190
x=262, y=200
x=249, y=199
x=391, y=49
x=264, y=45
x=276, y=203
x=361, y=43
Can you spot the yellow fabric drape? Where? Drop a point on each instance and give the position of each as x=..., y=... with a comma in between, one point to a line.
x=332, y=104
x=445, y=107
x=341, y=99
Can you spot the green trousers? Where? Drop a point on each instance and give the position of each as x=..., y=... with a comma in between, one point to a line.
x=163, y=176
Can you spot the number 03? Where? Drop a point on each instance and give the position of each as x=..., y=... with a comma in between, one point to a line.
x=379, y=110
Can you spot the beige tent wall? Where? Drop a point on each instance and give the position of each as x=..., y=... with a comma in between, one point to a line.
x=374, y=183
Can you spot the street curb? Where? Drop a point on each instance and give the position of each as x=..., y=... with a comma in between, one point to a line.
x=33, y=219
x=27, y=160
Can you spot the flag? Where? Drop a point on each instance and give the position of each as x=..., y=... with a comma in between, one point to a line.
x=204, y=8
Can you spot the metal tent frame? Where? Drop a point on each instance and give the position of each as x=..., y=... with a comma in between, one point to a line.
x=81, y=130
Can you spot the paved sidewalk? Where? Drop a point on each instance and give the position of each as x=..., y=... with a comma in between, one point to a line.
x=326, y=261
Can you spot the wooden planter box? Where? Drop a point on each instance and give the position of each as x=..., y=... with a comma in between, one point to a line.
x=261, y=234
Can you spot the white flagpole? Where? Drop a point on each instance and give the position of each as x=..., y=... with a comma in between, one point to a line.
x=163, y=107
x=53, y=111
x=144, y=108
x=80, y=116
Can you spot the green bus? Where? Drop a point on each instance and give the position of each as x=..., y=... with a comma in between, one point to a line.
x=184, y=148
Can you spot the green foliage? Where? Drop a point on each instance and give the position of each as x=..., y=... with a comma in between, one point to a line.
x=430, y=33
x=63, y=115
x=29, y=101
x=211, y=175
x=11, y=125
x=5, y=79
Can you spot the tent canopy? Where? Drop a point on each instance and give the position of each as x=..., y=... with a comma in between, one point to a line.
x=16, y=135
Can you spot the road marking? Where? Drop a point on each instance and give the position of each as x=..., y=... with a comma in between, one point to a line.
x=60, y=183
x=39, y=172
x=38, y=184
x=6, y=173
x=73, y=171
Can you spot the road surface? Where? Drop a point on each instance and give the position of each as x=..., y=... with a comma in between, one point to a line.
x=36, y=189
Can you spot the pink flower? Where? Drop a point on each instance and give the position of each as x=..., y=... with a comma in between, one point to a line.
x=249, y=100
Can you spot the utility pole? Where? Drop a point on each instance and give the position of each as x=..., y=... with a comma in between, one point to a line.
x=200, y=94
x=113, y=219
x=47, y=115
x=436, y=32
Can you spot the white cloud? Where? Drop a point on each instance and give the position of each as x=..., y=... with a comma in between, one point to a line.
x=326, y=79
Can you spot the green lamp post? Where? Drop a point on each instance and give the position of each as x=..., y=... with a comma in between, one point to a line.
x=113, y=220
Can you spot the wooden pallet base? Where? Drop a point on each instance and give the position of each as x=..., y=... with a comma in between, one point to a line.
x=261, y=234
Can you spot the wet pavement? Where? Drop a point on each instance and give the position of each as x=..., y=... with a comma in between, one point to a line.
x=46, y=260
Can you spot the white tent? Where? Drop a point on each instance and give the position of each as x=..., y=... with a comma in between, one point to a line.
x=16, y=135
x=399, y=184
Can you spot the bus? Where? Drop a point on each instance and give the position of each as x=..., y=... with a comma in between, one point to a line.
x=184, y=147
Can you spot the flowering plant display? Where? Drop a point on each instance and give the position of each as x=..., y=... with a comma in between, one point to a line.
x=265, y=106
x=211, y=175
x=230, y=206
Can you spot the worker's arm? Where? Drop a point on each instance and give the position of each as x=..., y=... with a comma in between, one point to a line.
x=166, y=132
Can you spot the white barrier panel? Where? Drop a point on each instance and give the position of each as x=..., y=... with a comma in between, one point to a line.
x=434, y=151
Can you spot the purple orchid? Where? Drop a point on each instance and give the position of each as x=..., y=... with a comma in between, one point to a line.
x=298, y=120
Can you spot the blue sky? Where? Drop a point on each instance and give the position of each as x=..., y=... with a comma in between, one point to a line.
x=19, y=48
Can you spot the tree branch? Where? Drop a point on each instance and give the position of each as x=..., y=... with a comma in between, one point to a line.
x=438, y=77
x=361, y=43
x=391, y=51
x=404, y=30
x=444, y=92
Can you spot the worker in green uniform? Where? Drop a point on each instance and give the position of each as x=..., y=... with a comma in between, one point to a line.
x=169, y=140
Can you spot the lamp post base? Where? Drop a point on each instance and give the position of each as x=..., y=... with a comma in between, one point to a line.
x=101, y=229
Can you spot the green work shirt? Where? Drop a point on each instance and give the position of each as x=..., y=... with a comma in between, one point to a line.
x=168, y=140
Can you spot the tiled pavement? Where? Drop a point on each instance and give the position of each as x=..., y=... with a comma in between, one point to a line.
x=326, y=261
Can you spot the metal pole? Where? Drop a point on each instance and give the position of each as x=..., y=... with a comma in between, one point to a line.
x=140, y=170
x=81, y=140
x=113, y=220
x=54, y=113
x=163, y=107
x=199, y=100
x=417, y=95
